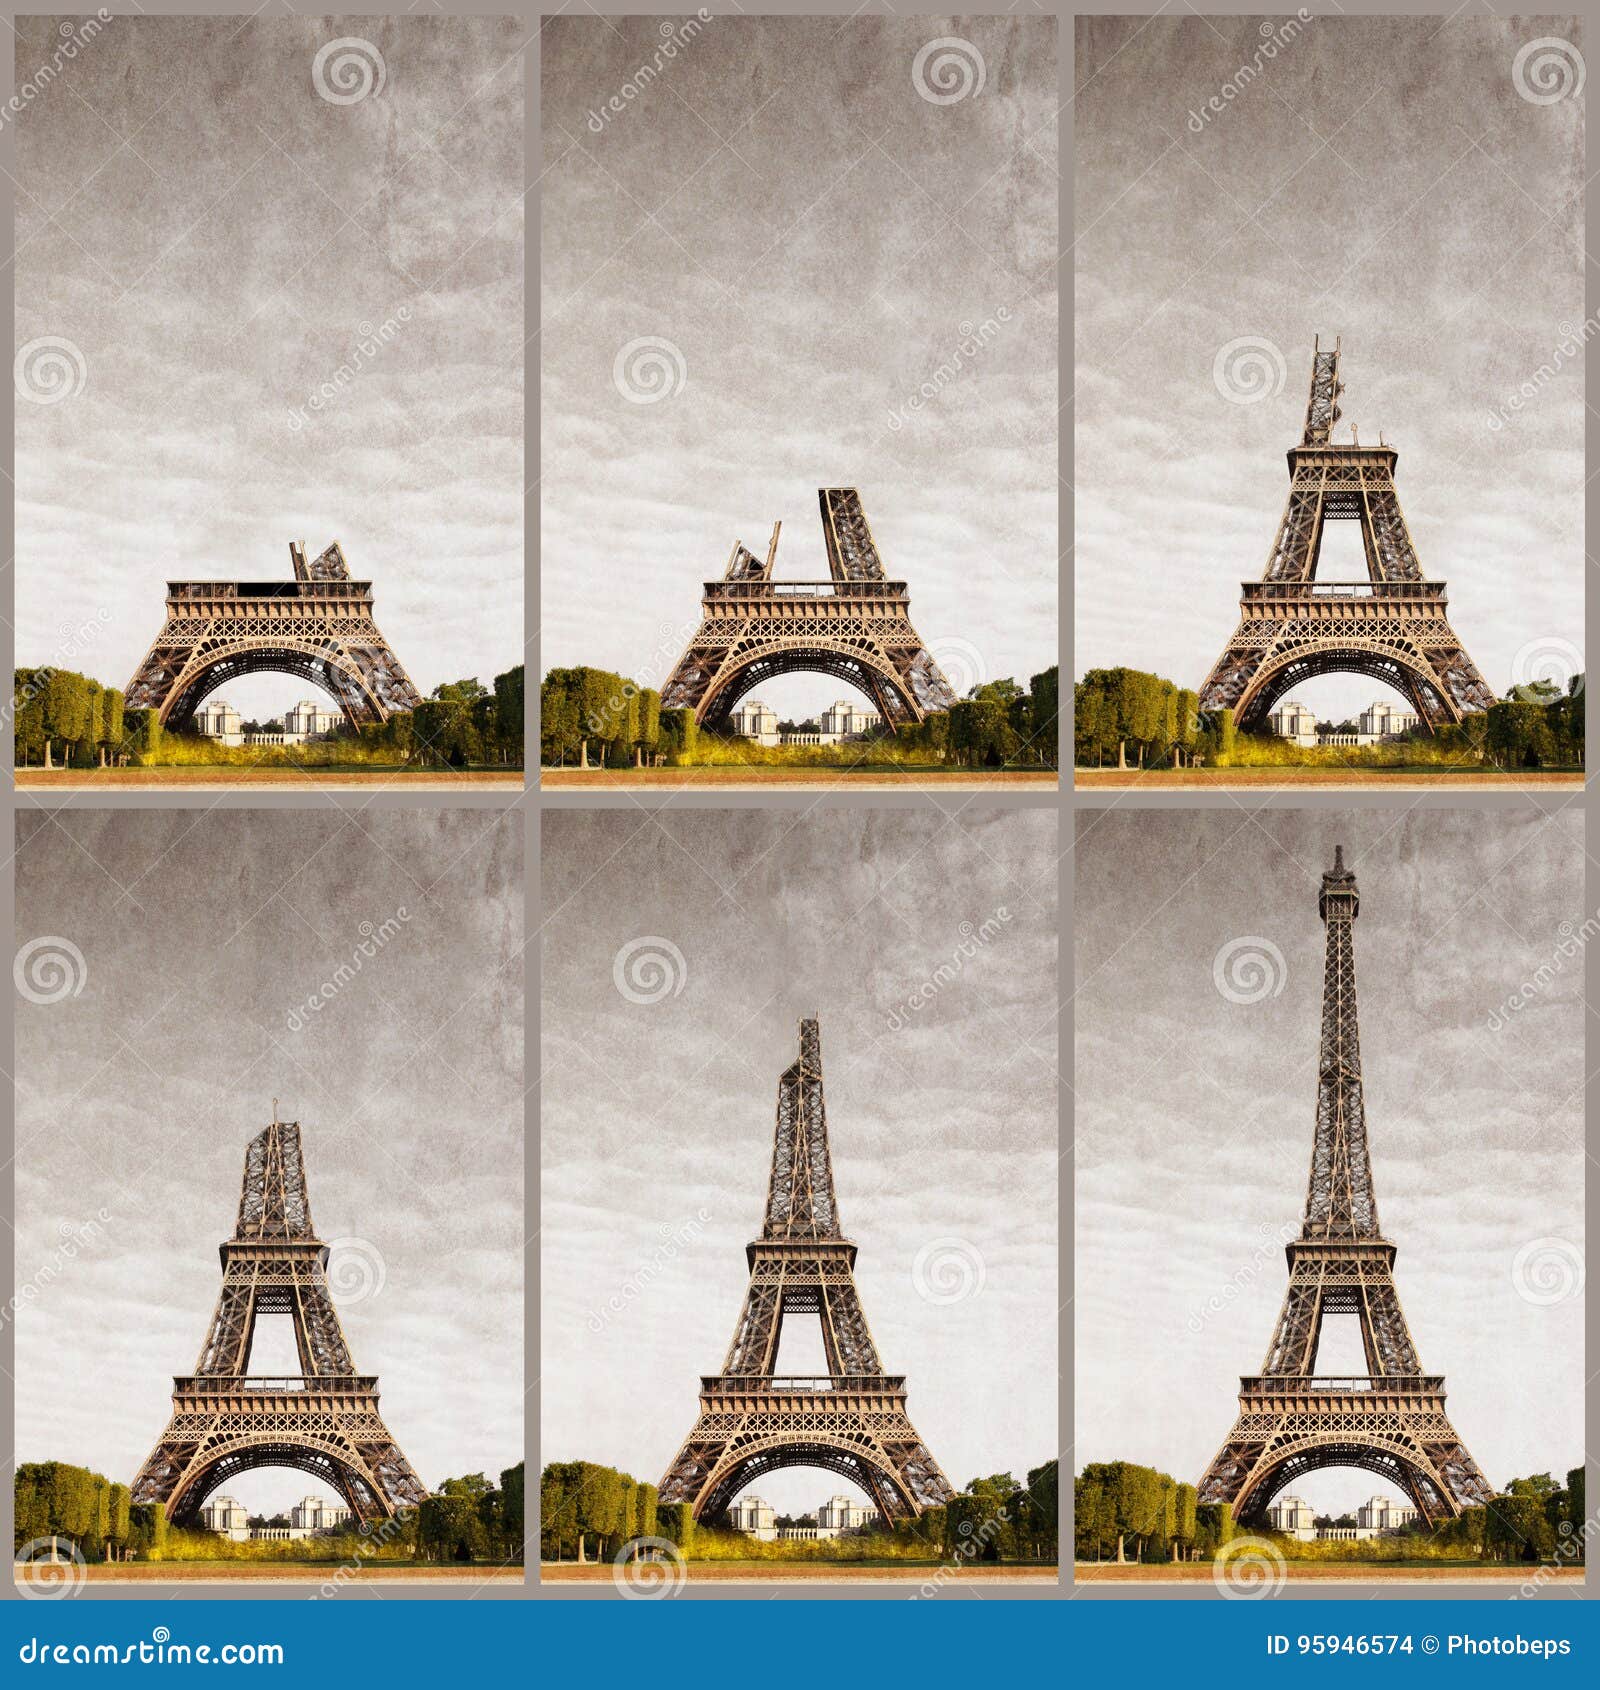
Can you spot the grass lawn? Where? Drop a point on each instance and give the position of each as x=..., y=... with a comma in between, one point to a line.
x=815, y=1572
x=1337, y=1572
x=864, y=775
x=199, y=777
x=1422, y=776
x=310, y=1572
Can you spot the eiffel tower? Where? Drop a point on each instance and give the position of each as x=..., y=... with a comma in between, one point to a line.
x=854, y=1421
x=856, y=627
x=1394, y=626
x=318, y=626
x=324, y=1420
x=1392, y=1420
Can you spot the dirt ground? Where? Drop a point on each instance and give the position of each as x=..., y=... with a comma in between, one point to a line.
x=1330, y=1572
x=854, y=780
x=318, y=1572
x=813, y=1572
x=201, y=779
x=1396, y=780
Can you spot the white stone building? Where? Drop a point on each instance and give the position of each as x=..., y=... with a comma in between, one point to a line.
x=217, y=719
x=753, y=720
x=224, y=1515
x=844, y=720
x=754, y=1516
x=317, y=1514
x=1292, y=1515
x=1381, y=1514
x=844, y=1514
x=1377, y=723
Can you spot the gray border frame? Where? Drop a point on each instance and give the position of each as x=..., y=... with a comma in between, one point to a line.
x=1066, y=803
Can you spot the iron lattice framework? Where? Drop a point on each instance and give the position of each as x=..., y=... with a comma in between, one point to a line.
x=1394, y=626
x=319, y=626
x=1391, y=1421
x=752, y=1420
x=855, y=626
x=323, y=1421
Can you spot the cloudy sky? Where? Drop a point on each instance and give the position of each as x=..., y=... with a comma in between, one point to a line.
x=811, y=239
x=213, y=239
x=942, y=1119
x=1382, y=180
x=1195, y=1116
x=201, y=933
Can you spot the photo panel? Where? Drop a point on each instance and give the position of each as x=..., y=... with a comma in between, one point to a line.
x=799, y=1242
x=295, y=1040
x=1358, y=241
x=269, y=411
x=1276, y=1389
x=799, y=414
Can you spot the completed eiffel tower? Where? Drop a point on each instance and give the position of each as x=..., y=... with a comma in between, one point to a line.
x=856, y=627
x=1394, y=626
x=1392, y=1420
x=754, y=1421
x=325, y=1420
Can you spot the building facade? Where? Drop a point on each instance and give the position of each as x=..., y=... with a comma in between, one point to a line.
x=217, y=719
x=1377, y=723
x=842, y=720
x=754, y=1516
x=1292, y=1515
x=753, y=720
x=224, y=1515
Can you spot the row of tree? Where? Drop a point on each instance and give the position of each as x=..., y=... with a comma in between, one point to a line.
x=1127, y=718
x=61, y=718
x=466, y=1519
x=592, y=717
x=1126, y=1512
x=470, y=1520
x=588, y=1512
